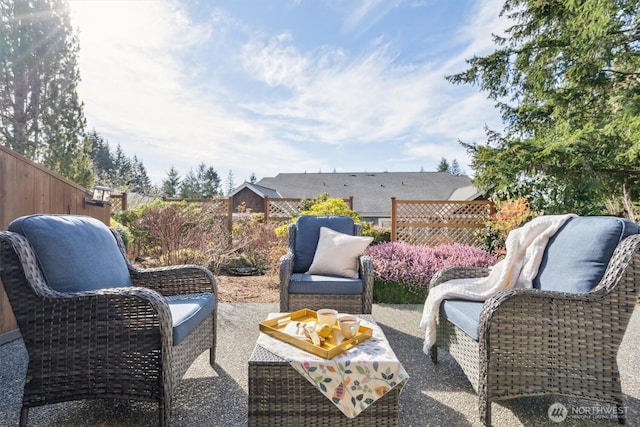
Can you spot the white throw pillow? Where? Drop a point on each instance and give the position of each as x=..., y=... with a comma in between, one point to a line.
x=337, y=254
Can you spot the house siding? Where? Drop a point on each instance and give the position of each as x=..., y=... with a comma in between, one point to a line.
x=251, y=200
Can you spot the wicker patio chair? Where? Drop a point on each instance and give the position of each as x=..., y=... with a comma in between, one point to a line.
x=299, y=290
x=95, y=326
x=560, y=338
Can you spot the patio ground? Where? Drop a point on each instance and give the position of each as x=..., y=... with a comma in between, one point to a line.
x=435, y=395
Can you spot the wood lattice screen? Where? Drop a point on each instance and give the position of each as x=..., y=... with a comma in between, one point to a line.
x=284, y=209
x=118, y=202
x=431, y=222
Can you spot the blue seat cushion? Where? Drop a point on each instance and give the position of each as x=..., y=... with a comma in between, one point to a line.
x=301, y=283
x=464, y=314
x=308, y=233
x=577, y=256
x=75, y=253
x=189, y=311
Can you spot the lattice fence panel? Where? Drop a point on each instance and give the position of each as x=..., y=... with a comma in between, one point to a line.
x=283, y=209
x=440, y=222
x=219, y=205
x=117, y=202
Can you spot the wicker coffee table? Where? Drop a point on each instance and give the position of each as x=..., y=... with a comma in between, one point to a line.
x=280, y=396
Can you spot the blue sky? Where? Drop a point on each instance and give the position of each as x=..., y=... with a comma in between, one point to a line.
x=285, y=85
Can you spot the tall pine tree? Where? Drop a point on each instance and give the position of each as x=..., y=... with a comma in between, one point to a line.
x=140, y=182
x=41, y=116
x=230, y=182
x=171, y=184
x=190, y=187
x=103, y=164
x=122, y=169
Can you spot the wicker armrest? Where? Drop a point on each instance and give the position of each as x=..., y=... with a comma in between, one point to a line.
x=535, y=306
x=128, y=318
x=366, y=274
x=175, y=280
x=590, y=319
x=450, y=273
x=286, y=269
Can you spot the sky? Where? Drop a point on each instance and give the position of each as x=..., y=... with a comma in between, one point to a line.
x=285, y=86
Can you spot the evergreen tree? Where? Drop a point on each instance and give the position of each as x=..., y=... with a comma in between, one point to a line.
x=443, y=166
x=208, y=180
x=171, y=184
x=41, y=116
x=230, y=184
x=103, y=166
x=204, y=183
x=190, y=187
x=566, y=77
x=140, y=182
x=454, y=168
x=122, y=169
x=252, y=178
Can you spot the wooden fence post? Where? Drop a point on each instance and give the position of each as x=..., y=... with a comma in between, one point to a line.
x=393, y=220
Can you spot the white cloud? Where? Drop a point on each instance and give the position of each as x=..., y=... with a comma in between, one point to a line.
x=366, y=13
x=276, y=62
x=146, y=85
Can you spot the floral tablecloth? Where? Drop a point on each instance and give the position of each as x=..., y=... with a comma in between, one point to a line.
x=352, y=380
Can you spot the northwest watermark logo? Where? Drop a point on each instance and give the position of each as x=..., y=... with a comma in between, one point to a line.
x=557, y=412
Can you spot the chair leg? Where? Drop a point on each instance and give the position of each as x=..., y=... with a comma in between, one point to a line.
x=24, y=415
x=485, y=410
x=434, y=354
x=164, y=411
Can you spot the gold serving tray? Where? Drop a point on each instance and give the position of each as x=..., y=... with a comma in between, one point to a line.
x=325, y=350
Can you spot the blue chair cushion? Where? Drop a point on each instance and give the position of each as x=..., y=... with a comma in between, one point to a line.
x=189, y=311
x=75, y=253
x=308, y=233
x=301, y=283
x=464, y=314
x=577, y=256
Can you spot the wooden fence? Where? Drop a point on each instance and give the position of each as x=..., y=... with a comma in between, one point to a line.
x=434, y=222
x=28, y=188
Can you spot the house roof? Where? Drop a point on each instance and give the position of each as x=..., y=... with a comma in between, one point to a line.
x=258, y=189
x=372, y=191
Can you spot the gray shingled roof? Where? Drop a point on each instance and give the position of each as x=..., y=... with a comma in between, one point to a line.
x=258, y=189
x=371, y=191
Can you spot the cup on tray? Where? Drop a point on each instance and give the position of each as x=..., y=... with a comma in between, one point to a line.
x=349, y=326
x=328, y=316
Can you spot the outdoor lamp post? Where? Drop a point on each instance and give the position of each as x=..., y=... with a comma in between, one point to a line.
x=99, y=198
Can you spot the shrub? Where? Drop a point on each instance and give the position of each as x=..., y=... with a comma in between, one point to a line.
x=394, y=293
x=255, y=243
x=379, y=234
x=324, y=205
x=178, y=232
x=510, y=214
x=123, y=231
x=413, y=266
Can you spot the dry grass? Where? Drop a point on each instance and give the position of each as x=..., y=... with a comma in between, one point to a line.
x=258, y=289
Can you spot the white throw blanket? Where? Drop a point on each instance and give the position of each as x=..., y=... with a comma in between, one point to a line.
x=525, y=247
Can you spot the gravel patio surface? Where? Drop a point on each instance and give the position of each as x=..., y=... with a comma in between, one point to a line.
x=435, y=395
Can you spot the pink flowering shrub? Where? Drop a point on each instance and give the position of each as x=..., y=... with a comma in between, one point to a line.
x=413, y=265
